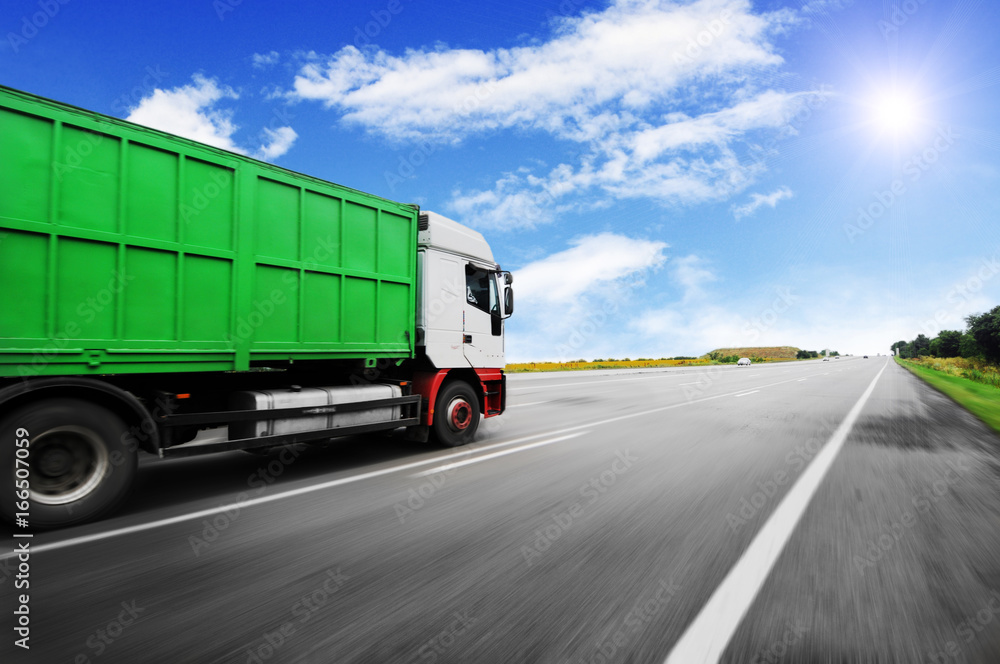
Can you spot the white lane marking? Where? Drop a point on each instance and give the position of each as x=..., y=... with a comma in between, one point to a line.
x=593, y=383
x=83, y=539
x=746, y=393
x=459, y=464
x=181, y=518
x=694, y=383
x=706, y=637
x=522, y=405
x=801, y=379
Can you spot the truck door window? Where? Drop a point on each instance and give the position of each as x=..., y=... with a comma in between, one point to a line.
x=480, y=289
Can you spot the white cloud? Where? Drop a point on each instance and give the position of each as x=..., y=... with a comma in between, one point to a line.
x=189, y=111
x=265, y=60
x=192, y=111
x=593, y=260
x=663, y=95
x=691, y=273
x=757, y=200
x=280, y=140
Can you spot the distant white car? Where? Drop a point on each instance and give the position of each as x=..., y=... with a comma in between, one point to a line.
x=744, y=362
x=826, y=359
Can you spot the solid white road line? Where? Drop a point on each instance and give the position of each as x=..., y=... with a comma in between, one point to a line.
x=181, y=518
x=522, y=405
x=707, y=636
x=459, y=464
x=746, y=393
x=354, y=478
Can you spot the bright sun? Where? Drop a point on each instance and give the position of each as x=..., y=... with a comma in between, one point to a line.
x=896, y=113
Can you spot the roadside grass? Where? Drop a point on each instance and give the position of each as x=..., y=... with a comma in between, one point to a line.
x=982, y=400
x=978, y=370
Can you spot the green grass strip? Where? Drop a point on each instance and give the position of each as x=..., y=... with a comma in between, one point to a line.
x=981, y=400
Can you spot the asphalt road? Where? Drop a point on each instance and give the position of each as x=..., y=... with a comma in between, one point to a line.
x=599, y=520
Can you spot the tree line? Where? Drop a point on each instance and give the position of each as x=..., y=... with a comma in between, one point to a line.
x=980, y=339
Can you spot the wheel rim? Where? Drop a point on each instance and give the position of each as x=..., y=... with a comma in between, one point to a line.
x=67, y=463
x=459, y=414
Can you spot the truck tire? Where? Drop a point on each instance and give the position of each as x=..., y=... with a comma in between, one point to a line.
x=456, y=415
x=80, y=466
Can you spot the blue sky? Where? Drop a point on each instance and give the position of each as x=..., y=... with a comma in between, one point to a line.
x=664, y=178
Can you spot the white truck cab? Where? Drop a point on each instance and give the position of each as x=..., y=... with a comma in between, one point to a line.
x=463, y=296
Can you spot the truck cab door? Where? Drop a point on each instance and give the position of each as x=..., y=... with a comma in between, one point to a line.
x=483, y=325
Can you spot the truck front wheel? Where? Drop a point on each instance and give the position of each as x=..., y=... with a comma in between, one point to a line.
x=78, y=464
x=456, y=415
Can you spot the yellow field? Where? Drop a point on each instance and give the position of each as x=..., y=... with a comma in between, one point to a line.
x=765, y=352
x=617, y=364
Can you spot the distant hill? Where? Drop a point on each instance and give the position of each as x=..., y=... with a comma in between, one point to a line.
x=766, y=352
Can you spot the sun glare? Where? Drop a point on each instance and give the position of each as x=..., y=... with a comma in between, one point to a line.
x=896, y=113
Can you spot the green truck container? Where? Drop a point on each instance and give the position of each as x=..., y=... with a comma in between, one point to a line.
x=134, y=251
x=153, y=288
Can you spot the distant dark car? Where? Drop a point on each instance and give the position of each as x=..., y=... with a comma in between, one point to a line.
x=866, y=357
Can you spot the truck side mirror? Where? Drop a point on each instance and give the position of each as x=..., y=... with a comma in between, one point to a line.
x=508, y=301
x=508, y=278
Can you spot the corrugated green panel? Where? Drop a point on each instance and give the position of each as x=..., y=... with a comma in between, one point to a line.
x=321, y=230
x=88, y=286
x=321, y=307
x=25, y=180
x=207, y=204
x=206, y=303
x=359, y=237
x=277, y=228
x=359, y=310
x=88, y=172
x=274, y=315
x=151, y=195
x=23, y=265
x=211, y=247
x=394, y=257
x=394, y=301
x=150, y=295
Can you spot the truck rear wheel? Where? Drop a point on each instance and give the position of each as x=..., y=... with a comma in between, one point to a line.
x=79, y=466
x=456, y=415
